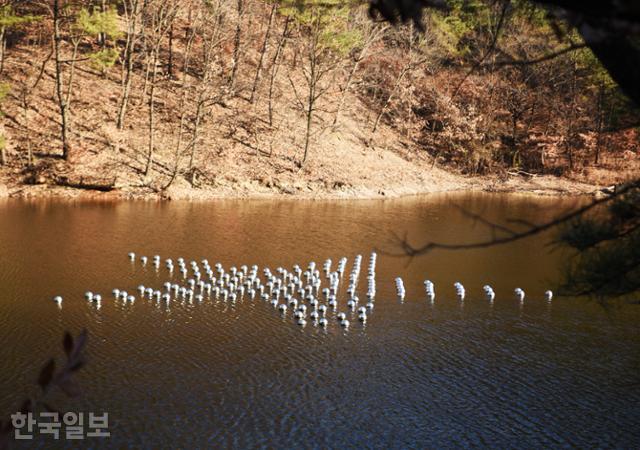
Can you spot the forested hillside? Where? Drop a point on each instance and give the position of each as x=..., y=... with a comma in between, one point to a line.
x=180, y=97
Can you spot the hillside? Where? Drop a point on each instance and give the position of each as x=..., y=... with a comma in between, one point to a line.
x=218, y=103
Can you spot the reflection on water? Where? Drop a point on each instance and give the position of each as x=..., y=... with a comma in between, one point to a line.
x=238, y=374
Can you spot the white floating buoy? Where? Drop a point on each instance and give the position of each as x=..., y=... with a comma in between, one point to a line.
x=400, y=288
x=489, y=293
x=429, y=289
x=548, y=295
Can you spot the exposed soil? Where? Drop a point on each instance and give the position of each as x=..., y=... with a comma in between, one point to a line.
x=240, y=155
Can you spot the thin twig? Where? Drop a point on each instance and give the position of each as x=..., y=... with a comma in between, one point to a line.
x=409, y=250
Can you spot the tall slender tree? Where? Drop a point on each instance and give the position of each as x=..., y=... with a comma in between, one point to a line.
x=237, y=51
x=263, y=51
x=57, y=17
x=133, y=12
x=326, y=38
x=162, y=14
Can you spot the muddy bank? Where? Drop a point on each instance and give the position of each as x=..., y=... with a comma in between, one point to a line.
x=539, y=185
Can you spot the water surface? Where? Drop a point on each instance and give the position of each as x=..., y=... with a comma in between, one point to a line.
x=240, y=375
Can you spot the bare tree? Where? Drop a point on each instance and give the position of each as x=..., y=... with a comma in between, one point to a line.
x=414, y=59
x=207, y=91
x=263, y=51
x=76, y=34
x=314, y=71
x=170, y=61
x=275, y=65
x=162, y=15
x=569, y=124
x=194, y=24
x=59, y=13
x=56, y=17
x=372, y=32
x=133, y=11
x=324, y=42
x=235, y=61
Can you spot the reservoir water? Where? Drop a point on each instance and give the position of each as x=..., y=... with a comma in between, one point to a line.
x=239, y=374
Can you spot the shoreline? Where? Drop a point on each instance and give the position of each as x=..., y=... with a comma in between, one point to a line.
x=546, y=186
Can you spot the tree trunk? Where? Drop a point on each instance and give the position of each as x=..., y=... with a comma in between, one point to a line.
x=275, y=65
x=307, y=135
x=3, y=47
x=599, y=122
x=263, y=51
x=102, y=37
x=59, y=82
x=72, y=73
x=152, y=124
x=387, y=102
x=24, y=100
x=372, y=37
x=194, y=139
x=147, y=74
x=236, y=47
x=124, y=99
x=129, y=51
x=183, y=109
x=312, y=82
x=346, y=89
x=170, y=63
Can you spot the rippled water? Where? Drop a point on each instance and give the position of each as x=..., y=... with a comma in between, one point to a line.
x=239, y=375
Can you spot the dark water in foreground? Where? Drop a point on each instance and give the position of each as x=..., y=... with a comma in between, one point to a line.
x=239, y=375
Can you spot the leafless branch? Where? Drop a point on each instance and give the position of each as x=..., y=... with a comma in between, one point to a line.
x=409, y=250
x=492, y=46
x=540, y=59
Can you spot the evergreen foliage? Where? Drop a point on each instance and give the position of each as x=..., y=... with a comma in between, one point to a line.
x=95, y=23
x=9, y=18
